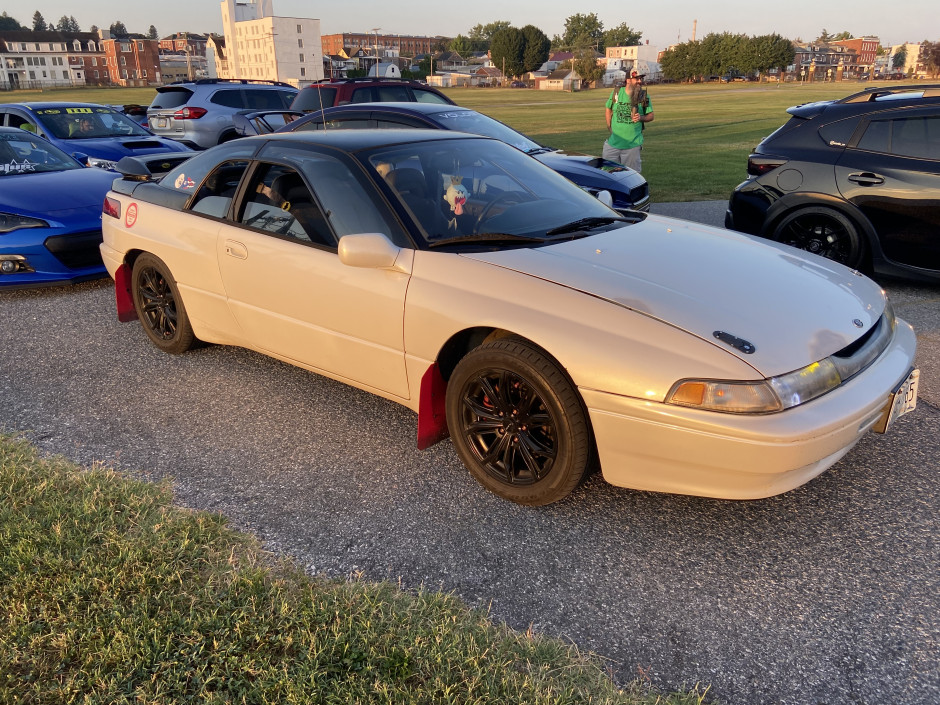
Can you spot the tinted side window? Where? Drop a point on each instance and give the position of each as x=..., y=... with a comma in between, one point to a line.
x=423, y=96
x=838, y=134
x=390, y=94
x=362, y=95
x=314, y=98
x=188, y=175
x=172, y=98
x=287, y=97
x=230, y=99
x=399, y=123
x=260, y=99
x=278, y=201
x=216, y=193
x=877, y=137
x=917, y=137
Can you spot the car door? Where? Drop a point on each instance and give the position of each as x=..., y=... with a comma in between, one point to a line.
x=891, y=171
x=285, y=284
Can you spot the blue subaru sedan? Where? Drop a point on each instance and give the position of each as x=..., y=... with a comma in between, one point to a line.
x=89, y=132
x=50, y=213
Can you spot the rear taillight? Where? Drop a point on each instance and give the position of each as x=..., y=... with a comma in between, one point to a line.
x=758, y=165
x=190, y=113
x=112, y=207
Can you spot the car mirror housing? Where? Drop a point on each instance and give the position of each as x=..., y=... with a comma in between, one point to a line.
x=605, y=198
x=368, y=250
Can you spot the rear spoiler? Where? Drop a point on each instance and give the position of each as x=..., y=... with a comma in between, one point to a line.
x=150, y=167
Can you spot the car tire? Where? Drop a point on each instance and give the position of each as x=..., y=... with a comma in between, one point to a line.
x=822, y=231
x=518, y=423
x=159, y=306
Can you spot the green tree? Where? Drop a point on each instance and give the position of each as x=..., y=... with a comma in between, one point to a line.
x=7, y=23
x=118, y=29
x=507, y=49
x=424, y=66
x=461, y=44
x=584, y=29
x=842, y=36
x=930, y=55
x=622, y=36
x=585, y=63
x=93, y=29
x=64, y=24
x=771, y=51
x=537, y=47
x=39, y=23
x=482, y=34
x=824, y=36
x=899, y=58
x=152, y=33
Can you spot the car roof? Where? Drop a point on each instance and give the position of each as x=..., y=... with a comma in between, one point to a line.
x=354, y=140
x=42, y=105
x=403, y=107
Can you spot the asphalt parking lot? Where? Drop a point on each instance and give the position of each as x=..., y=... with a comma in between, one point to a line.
x=828, y=594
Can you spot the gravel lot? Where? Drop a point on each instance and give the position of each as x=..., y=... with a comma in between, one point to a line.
x=828, y=594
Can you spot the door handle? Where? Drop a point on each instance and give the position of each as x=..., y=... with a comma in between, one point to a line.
x=236, y=249
x=866, y=179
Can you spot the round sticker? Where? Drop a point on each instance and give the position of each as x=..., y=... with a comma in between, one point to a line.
x=131, y=217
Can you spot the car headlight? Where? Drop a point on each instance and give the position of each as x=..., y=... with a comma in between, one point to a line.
x=102, y=163
x=11, y=221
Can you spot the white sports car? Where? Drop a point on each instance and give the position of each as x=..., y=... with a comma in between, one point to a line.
x=541, y=330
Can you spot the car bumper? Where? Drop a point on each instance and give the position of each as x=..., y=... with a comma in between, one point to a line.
x=664, y=448
x=56, y=257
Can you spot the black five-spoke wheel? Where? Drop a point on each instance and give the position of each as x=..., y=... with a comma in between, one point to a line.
x=159, y=306
x=824, y=232
x=517, y=422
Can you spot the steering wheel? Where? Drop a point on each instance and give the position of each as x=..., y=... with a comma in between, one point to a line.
x=506, y=198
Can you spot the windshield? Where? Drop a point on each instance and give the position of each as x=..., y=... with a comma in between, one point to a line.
x=29, y=154
x=479, y=124
x=85, y=123
x=485, y=194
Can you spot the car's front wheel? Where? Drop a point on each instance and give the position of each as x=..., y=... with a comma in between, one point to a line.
x=517, y=422
x=822, y=231
x=159, y=306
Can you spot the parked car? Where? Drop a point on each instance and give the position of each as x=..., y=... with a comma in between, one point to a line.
x=96, y=134
x=331, y=92
x=200, y=113
x=856, y=180
x=537, y=327
x=627, y=188
x=518, y=84
x=50, y=213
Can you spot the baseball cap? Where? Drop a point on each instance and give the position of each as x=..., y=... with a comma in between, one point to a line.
x=635, y=74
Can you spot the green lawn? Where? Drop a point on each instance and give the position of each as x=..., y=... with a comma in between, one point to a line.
x=696, y=149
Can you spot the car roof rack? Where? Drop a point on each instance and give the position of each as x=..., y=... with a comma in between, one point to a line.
x=243, y=81
x=930, y=90
x=367, y=79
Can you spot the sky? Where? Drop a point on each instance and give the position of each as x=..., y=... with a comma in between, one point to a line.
x=662, y=22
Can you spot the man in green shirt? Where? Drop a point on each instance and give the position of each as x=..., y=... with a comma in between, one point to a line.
x=628, y=109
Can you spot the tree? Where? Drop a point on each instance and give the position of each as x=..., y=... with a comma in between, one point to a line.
x=900, y=58
x=118, y=29
x=824, y=36
x=585, y=63
x=581, y=30
x=930, y=55
x=842, y=36
x=152, y=33
x=622, y=36
x=482, y=34
x=7, y=23
x=93, y=29
x=424, y=66
x=507, y=49
x=67, y=24
x=461, y=44
x=537, y=47
x=39, y=23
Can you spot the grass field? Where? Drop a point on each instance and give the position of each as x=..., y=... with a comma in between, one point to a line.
x=696, y=149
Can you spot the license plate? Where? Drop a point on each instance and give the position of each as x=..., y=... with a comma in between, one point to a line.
x=903, y=400
x=161, y=122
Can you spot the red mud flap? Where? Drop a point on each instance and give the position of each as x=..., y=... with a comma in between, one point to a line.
x=432, y=414
x=122, y=294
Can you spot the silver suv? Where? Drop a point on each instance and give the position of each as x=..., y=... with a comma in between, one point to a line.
x=200, y=114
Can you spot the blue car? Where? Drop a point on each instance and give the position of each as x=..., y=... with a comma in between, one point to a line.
x=96, y=134
x=50, y=213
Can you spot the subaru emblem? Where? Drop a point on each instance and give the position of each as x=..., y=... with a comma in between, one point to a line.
x=858, y=323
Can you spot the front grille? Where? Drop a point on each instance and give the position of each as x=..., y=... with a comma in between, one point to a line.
x=77, y=250
x=858, y=355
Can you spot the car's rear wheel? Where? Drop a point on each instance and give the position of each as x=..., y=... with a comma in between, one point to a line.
x=822, y=231
x=159, y=306
x=517, y=422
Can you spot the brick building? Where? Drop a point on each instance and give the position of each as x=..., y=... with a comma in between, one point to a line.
x=132, y=61
x=184, y=43
x=333, y=44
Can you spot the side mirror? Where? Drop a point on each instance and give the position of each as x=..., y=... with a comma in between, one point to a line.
x=80, y=157
x=605, y=198
x=368, y=250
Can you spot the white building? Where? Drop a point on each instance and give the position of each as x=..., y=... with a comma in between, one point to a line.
x=622, y=60
x=38, y=60
x=259, y=45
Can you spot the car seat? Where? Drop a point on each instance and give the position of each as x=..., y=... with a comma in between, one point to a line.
x=412, y=188
x=289, y=193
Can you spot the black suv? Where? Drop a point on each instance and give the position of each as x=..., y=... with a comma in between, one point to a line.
x=328, y=93
x=856, y=180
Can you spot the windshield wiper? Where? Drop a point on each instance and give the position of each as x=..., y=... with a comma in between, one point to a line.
x=539, y=150
x=491, y=238
x=588, y=224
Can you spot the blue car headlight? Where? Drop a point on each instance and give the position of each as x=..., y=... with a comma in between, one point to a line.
x=11, y=221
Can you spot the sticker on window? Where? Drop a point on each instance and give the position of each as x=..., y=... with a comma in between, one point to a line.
x=73, y=111
x=15, y=167
x=183, y=181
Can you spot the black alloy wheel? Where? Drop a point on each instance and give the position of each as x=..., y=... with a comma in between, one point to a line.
x=822, y=231
x=517, y=422
x=159, y=306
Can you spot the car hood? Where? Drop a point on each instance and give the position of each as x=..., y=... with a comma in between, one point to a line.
x=113, y=149
x=586, y=170
x=794, y=308
x=69, y=192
